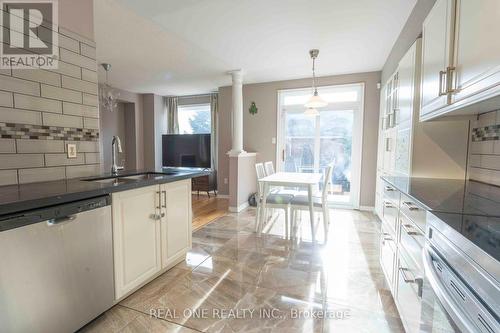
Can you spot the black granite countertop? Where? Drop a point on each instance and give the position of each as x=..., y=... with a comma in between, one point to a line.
x=451, y=196
x=470, y=208
x=18, y=198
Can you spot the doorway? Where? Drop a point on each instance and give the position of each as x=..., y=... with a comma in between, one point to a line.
x=309, y=143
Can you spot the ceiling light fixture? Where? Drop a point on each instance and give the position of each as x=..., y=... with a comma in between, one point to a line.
x=315, y=101
x=107, y=95
x=311, y=112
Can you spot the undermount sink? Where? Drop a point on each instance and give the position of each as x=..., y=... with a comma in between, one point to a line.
x=144, y=176
x=107, y=180
x=118, y=179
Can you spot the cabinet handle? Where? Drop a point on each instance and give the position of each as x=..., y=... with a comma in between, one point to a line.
x=418, y=281
x=387, y=144
x=410, y=205
x=164, y=199
x=407, y=229
x=450, y=80
x=388, y=204
x=441, y=83
x=155, y=217
x=159, y=200
x=389, y=189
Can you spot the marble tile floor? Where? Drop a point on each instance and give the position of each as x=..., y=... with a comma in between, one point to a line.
x=235, y=281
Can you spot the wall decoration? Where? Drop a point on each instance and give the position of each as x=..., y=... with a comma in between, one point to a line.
x=253, y=108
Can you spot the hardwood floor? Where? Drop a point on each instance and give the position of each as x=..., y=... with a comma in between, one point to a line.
x=206, y=209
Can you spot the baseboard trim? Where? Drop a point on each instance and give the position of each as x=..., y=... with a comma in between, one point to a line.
x=367, y=208
x=239, y=208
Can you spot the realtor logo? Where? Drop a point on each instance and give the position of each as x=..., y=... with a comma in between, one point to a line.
x=29, y=34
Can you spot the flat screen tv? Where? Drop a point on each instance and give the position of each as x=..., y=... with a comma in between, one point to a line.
x=186, y=150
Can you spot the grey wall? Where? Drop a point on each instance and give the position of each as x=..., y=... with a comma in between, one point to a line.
x=41, y=111
x=410, y=32
x=155, y=125
x=259, y=129
x=77, y=16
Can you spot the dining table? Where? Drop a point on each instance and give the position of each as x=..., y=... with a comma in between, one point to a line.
x=290, y=179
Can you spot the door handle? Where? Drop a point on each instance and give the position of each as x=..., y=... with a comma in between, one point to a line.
x=450, y=80
x=442, y=83
x=164, y=199
x=389, y=189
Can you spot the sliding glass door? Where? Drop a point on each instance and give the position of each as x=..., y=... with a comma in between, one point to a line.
x=309, y=143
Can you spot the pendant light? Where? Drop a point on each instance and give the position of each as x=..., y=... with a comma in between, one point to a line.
x=315, y=101
x=311, y=112
x=108, y=97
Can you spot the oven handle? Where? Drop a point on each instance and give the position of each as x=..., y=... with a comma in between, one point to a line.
x=459, y=317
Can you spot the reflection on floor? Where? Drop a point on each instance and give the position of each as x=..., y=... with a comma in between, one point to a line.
x=234, y=281
x=206, y=209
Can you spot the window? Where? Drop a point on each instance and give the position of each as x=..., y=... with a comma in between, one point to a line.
x=194, y=119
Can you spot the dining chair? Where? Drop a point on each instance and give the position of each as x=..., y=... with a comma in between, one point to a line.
x=320, y=204
x=273, y=201
x=269, y=167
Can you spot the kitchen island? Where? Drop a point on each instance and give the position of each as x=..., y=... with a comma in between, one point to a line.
x=79, y=246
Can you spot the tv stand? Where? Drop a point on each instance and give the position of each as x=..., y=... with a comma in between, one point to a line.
x=205, y=183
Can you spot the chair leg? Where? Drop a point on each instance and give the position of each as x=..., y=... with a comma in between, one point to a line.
x=326, y=218
x=286, y=222
x=257, y=221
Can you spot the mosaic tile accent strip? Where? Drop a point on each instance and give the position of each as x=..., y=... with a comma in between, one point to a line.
x=24, y=131
x=487, y=133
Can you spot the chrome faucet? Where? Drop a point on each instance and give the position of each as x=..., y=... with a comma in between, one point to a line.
x=115, y=142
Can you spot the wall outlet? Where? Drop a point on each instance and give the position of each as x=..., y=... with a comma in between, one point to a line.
x=225, y=180
x=71, y=149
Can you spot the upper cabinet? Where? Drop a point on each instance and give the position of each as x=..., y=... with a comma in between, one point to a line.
x=437, y=43
x=461, y=57
x=477, y=50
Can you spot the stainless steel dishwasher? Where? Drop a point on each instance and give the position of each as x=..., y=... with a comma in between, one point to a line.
x=56, y=267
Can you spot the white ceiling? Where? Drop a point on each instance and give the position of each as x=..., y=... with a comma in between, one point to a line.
x=184, y=47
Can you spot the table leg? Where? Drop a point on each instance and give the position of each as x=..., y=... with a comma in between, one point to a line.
x=311, y=212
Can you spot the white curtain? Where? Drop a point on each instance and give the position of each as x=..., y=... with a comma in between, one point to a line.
x=214, y=110
x=172, y=115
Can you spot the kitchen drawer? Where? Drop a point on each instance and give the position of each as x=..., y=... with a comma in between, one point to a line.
x=409, y=292
x=390, y=215
x=388, y=256
x=412, y=239
x=390, y=193
x=413, y=211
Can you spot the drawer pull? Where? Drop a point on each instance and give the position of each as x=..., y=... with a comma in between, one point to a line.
x=418, y=281
x=389, y=189
x=410, y=205
x=387, y=204
x=408, y=229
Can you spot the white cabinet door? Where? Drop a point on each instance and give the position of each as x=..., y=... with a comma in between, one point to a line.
x=407, y=103
x=176, y=223
x=136, y=237
x=477, y=49
x=437, y=45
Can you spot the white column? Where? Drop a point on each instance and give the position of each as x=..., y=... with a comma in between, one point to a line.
x=237, y=113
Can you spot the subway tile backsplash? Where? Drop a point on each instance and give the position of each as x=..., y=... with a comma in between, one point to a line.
x=41, y=111
x=484, y=157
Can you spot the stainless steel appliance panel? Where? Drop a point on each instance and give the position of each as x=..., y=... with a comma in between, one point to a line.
x=56, y=275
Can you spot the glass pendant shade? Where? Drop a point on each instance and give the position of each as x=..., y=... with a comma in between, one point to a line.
x=311, y=112
x=107, y=95
x=316, y=101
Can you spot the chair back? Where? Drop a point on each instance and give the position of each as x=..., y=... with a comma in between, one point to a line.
x=261, y=173
x=269, y=167
x=327, y=182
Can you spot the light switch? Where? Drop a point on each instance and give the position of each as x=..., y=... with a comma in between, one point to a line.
x=71, y=149
x=225, y=180
x=274, y=141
